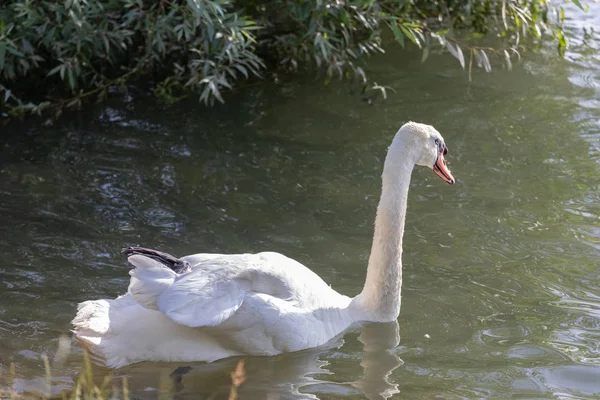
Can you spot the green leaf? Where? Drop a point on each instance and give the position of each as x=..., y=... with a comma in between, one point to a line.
x=2, y=53
x=215, y=91
x=426, y=48
x=362, y=74
x=242, y=69
x=562, y=43
x=54, y=70
x=71, y=79
x=578, y=4
x=248, y=36
x=106, y=44
x=507, y=59
x=397, y=34
x=485, y=61
x=456, y=52
x=425, y=54
x=223, y=82
x=15, y=52
x=409, y=34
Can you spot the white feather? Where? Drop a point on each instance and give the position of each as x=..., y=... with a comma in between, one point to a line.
x=255, y=304
x=149, y=279
x=202, y=298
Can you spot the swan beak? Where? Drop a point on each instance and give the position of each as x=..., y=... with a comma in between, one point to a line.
x=441, y=169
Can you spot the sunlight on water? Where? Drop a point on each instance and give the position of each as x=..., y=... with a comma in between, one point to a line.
x=501, y=294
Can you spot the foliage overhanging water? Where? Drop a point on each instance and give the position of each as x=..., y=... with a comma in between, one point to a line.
x=501, y=292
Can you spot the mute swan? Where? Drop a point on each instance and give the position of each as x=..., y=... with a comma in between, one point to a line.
x=205, y=307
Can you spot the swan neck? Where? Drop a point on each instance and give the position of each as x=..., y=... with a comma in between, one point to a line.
x=380, y=299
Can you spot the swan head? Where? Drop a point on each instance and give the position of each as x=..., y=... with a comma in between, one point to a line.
x=429, y=148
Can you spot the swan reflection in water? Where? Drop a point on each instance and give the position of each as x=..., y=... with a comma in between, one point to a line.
x=299, y=375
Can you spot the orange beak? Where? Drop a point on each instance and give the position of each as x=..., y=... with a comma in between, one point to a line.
x=441, y=169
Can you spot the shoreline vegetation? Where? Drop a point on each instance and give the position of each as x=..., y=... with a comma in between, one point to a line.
x=57, y=55
x=87, y=387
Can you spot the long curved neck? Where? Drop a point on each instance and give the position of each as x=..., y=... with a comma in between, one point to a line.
x=380, y=299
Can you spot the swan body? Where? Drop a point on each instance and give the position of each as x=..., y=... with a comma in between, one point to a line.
x=206, y=307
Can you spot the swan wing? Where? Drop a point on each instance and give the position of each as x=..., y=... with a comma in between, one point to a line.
x=202, y=298
x=218, y=284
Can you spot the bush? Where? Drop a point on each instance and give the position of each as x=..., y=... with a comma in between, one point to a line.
x=57, y=54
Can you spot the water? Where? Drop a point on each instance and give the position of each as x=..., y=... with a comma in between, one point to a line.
x=501, y=294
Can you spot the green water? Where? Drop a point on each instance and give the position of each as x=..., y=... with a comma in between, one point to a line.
x=501, y=295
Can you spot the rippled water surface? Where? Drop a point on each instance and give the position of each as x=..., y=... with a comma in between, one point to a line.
x=501, y=294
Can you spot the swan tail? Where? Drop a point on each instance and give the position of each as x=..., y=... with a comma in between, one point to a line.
x=178, y=265
x=149, y=279
x=119, y=332
x=90, y=324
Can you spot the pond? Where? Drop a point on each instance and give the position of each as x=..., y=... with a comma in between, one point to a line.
x=501, y=291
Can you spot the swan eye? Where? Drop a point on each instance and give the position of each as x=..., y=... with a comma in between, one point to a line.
x=437, y=142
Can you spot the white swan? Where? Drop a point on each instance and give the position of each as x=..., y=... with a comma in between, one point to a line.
x=205, y=307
